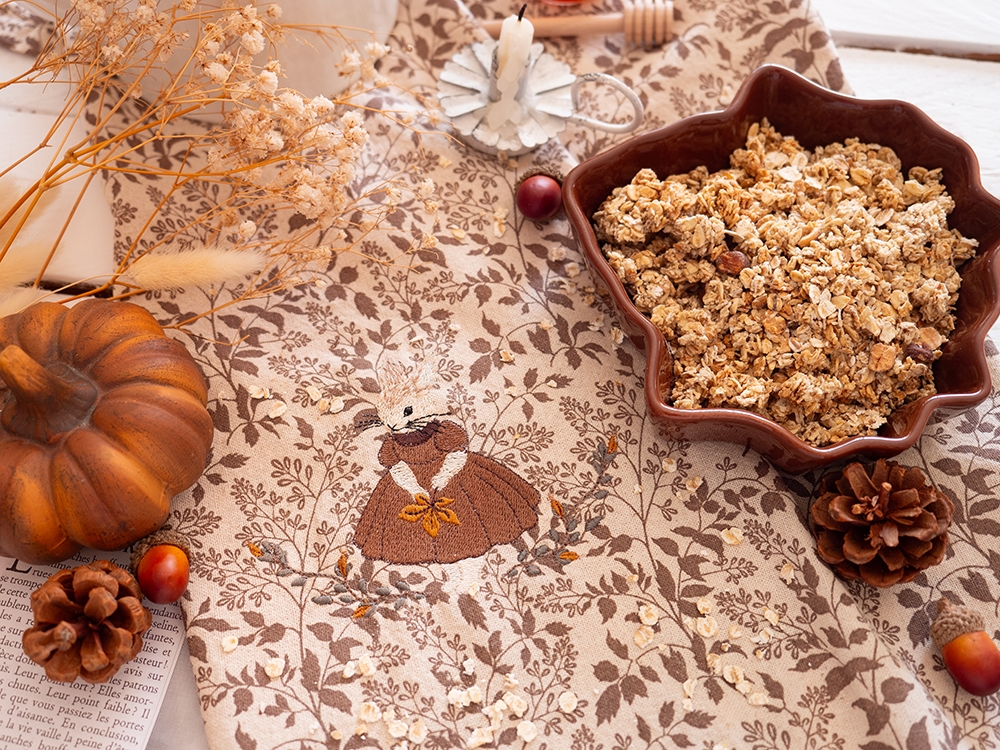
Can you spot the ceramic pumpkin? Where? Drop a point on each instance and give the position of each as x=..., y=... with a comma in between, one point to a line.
x=102, y=422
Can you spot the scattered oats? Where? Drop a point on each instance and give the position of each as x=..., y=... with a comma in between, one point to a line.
x=687, y=704
x=689, y=623
x=511, y=390
x=617, y=335
x=693, y=483
x=469, y=666
x=757, y=699
x=637, y=489
x=480, y=736
x=787, y=572
x=704, y=605
x=397, y=729
x=707, y=627
x=361, y=729
x=457, y=232
x=499, y=221
x=454, y=327
x=369, y=713
x=643, y=636
x=336, y=735
x=260, y=392
x=714, y=663
x=444, y=162
x=732, y=674
x=515, y=703
x=418, y=731
x=527, y=731
x=663, y=646
x=473, y=592
x=735, y=632
x=744, y=687
x=229, y=644
x=545, y=325
x=568, y=702
x=669, y=465
x=494, y=713
x=771, y=616
x=689, y=685
x=596, y=324
x=720, y=746
x=762, y=637
x=725, y=647
x=458, y=697
x=319, y=282
x=350, y=669
x=572, y=269
x=551, y=384
x=732, y=536
x=506, y=356
x=276, y=409
x=366, y=668
x=474, y=694
x=314, y=393
x=557, y=253
x=323, y=405
x=632, y=577
x=275, y=666
x=759, y=653
x=509, y=682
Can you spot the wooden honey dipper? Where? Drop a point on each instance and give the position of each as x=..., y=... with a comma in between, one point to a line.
x=646, y=23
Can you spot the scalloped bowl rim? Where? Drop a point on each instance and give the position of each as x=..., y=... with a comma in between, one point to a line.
x=655, y=346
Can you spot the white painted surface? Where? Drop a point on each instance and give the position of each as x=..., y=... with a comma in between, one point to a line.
x=964, y=21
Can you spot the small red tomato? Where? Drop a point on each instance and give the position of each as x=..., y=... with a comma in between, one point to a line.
x=539, y=197
x=163, y=573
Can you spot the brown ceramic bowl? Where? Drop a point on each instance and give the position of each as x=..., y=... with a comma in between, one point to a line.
x=816, y=117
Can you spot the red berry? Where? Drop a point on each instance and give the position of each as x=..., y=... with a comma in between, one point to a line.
x=539, y=197
x=163, y=573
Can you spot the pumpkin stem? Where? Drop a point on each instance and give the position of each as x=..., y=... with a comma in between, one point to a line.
x=45, y=404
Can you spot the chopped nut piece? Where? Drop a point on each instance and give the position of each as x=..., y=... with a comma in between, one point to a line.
x=732, y=262
x=919, y=353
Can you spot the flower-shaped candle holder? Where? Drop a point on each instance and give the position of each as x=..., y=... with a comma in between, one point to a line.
x=547, y=99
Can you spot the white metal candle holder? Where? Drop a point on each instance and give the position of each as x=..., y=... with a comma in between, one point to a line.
x=548, y=97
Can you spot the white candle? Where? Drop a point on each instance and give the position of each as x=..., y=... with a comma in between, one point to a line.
x=513, y=49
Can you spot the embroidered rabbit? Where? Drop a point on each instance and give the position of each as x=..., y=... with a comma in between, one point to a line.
x=438, y=502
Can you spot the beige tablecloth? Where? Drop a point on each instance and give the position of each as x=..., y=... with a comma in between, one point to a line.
x=652, y=594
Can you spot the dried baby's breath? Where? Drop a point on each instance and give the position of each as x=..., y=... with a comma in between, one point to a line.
x=271, y=154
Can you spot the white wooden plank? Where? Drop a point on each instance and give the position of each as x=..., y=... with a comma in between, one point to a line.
x=975, y=22
x=963, y=96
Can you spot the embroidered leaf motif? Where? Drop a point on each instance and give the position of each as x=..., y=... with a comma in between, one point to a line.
x=556, y=506
x=430, y=514
x=361, y=611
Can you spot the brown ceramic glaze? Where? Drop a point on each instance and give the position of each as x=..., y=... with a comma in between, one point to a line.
x=815, y=117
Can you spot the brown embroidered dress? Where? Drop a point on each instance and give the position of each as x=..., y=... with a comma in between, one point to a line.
x=454, y=504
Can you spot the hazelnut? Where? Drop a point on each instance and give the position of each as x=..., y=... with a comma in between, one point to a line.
x=732, y=262
x=920, y=353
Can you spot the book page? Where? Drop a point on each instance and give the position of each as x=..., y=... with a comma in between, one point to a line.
x=39, y=714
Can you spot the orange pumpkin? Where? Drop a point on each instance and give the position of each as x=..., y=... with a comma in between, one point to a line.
x=103, y=421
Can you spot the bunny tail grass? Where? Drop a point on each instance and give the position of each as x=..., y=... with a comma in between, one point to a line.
x=203, y=267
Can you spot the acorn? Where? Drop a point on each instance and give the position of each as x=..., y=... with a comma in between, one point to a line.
x=161, y=565
x=538, y=194
x=971, y=656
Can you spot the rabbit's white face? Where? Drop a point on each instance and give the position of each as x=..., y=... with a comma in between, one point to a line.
x=408, y=400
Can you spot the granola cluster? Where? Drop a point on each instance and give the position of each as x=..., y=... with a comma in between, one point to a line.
x=812, y=287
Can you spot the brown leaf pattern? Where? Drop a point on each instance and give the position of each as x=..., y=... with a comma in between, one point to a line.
x=672, y=588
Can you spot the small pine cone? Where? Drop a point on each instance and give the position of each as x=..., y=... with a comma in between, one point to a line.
x=882, y=524
x=88, y=622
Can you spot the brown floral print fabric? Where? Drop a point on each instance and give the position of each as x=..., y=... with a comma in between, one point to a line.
x=628, y=591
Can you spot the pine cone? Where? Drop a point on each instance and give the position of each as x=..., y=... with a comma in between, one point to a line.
x=88, y=622
x=882, y=525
